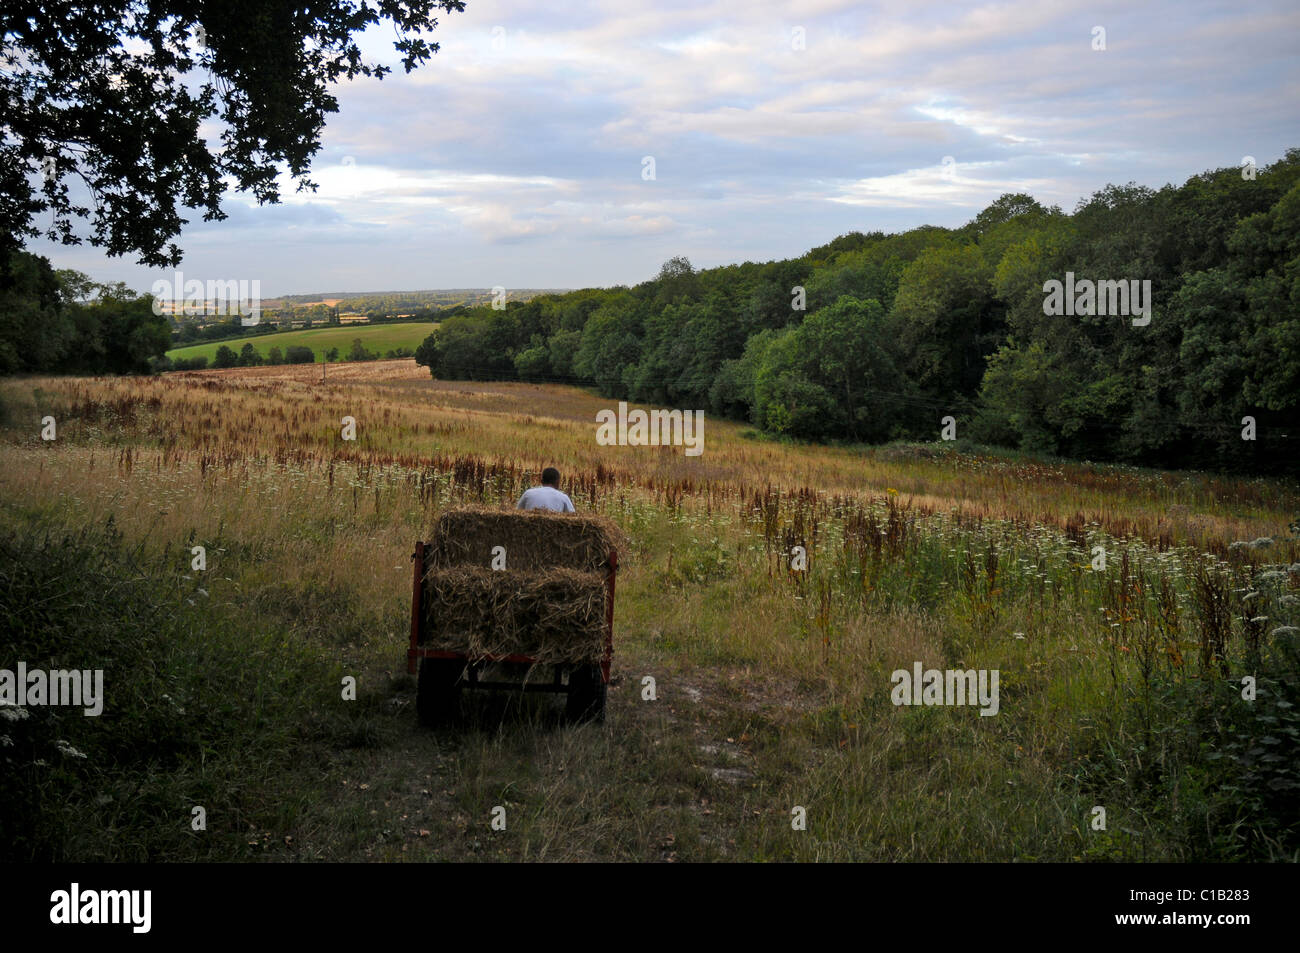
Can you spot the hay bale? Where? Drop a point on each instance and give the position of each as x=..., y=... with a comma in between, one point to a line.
x=534, y=540
x=553, y=616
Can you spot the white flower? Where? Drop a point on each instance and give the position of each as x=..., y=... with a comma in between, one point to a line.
x=13, y=714
x=68, y=750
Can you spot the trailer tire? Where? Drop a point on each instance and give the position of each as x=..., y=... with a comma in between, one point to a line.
x=437, y=695
x=587, y=694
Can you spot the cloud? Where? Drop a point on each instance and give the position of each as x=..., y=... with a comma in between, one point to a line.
x=515, y=154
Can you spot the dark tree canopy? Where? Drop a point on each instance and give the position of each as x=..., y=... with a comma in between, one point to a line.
x=900, y=331
x=110, y=97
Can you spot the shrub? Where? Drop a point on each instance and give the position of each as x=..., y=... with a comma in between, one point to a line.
x=299, y=354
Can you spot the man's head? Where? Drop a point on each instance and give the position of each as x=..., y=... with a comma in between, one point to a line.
x=551, y=477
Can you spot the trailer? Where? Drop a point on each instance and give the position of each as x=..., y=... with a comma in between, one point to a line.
x=443, y=674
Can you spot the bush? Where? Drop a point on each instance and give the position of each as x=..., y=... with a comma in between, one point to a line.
x=190, y=363
x=299, y=354
x=359, y=352
x=226, y=357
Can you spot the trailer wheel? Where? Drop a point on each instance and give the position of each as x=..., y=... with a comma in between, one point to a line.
x=437, y=695
x=587, y=692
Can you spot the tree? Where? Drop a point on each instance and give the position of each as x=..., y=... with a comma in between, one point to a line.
x=35, y=331
x=830, y=376
x=1006, y=207
x=275, y=356
x=947, y=322
x=248, y=356
x=129, y=333
x=226, y=357
x=299, y=354
x=115, y=96
x=676, y=280
x=533, y=364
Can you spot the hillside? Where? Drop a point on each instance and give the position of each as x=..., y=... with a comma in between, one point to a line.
x=1120, y=609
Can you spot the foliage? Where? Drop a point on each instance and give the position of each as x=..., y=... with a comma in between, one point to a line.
x=956, y=327
x=116, y=96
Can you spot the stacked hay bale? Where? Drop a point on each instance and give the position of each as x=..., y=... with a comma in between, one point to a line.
x=548, y=603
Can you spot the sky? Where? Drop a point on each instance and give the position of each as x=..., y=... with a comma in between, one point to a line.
x=520, y=155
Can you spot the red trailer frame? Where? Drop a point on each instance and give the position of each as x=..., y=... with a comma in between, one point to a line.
x=417, y=651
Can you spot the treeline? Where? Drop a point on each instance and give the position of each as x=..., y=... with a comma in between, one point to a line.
x=876, y=337
x=61, y=322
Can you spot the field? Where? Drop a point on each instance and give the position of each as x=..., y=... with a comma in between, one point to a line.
x=1120, y=682
x=379, y=338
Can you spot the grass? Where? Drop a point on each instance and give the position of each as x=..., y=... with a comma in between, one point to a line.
x=380, y=338
x=1119, y=687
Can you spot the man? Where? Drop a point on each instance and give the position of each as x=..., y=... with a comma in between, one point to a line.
x=547, y=496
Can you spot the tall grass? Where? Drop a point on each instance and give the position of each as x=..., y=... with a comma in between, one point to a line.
x=1121, y=687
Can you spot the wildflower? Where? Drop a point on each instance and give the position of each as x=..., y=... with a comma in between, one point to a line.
x=1285, y=631
x=13, y=714
x=68, y=750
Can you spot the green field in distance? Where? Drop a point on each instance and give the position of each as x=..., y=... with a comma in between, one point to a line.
x=380, y=338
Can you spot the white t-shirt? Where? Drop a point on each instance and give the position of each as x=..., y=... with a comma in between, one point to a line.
x=545, y=498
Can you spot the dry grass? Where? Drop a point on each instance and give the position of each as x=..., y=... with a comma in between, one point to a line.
x=772, y=688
